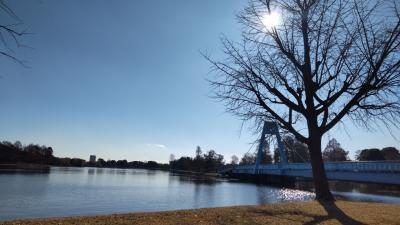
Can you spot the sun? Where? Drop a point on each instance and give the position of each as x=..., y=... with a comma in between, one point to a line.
x=271, y=20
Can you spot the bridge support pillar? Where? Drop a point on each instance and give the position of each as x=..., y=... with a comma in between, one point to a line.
x=270, y=128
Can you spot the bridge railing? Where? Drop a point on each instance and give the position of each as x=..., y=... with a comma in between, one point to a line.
x=365, y=166
x=353, y=166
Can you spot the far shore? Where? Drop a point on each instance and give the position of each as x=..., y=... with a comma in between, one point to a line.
x=34, y=167
x=312, y=212
x=24, y=167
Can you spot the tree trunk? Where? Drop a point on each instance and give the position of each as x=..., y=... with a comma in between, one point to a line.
x=322, y=190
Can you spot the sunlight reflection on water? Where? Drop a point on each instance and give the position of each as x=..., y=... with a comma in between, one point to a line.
x=294, y=195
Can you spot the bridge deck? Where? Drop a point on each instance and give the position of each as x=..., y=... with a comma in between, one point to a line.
x=385, y=172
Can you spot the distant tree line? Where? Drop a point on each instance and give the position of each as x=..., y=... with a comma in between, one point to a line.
x=11, y=153
x=297, y=152
x=374, y=154
x=125, y=164
x=207, y=162
x=32, y=153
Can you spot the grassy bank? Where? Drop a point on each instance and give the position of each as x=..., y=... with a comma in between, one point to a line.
x=314, y=212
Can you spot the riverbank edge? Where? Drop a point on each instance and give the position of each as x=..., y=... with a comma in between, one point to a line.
x=24, y=168
x=45, y=168
x=311, y=212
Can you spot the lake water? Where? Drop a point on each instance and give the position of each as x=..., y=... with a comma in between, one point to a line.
x=90, y=191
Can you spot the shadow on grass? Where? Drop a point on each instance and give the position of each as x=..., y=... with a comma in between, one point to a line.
x=334, y=213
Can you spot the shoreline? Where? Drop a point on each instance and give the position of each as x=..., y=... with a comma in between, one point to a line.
x=35, y=167
x=311, y=212
x=24, y=168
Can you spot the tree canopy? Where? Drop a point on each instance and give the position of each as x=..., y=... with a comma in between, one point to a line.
x=207, y=162
x=374, y=154
x=333, y=152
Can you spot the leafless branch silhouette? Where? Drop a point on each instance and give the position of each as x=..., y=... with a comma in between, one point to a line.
x=327, y=60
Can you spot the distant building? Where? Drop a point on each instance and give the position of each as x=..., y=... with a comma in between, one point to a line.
x=92, y=158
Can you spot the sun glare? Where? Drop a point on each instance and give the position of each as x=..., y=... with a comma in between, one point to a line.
x=271, y=20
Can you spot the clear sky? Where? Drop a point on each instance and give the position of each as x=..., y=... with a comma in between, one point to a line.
x=126, y=80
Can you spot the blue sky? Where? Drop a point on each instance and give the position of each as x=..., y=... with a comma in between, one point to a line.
x=126, y=80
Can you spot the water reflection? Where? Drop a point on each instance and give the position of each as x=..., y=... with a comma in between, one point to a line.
x=196, y=178
x=120, y=171
x=86, y=191
x=290, y=195
x=353, y=187
x=91, y=171
x=262, y=195
x=99, y=171
x=151, y=172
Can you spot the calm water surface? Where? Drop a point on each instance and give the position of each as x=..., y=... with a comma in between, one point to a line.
x=89, y=191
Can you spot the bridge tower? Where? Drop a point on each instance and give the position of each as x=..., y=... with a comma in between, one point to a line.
x=270, y=128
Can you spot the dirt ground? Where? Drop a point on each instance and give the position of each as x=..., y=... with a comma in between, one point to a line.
x=313, y=212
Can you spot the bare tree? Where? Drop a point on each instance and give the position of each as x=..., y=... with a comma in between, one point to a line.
x=10, y=34
x=326, y=60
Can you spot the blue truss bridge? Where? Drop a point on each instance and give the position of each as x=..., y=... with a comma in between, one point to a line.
x=381, y=172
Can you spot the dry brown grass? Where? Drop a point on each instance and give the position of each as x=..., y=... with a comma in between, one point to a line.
x=314, y=212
